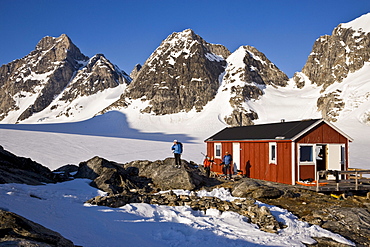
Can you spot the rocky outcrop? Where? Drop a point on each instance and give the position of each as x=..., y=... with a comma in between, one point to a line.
x=252, y=188
x=334, y=56
x=144, y=175
x=183, y=73
x=96, y=76
x=14, y=169
x=246, y=76
x=247, y=207
x=108, y=176
x=166, y=177
x=43, y=73
x=18, y=231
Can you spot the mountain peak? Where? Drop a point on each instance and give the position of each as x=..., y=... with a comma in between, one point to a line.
x=48, y=42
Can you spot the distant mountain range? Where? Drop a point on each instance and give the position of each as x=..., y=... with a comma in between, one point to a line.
x=57, y=83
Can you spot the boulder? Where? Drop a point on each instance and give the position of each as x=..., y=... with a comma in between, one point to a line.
x=257, y=189
x=166, y=177
x=109, y=176
x=245, y=187
x=267, y=192
x=18, y=231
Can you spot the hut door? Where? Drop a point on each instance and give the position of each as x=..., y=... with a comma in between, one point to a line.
x=236, y=156
x=334, y=158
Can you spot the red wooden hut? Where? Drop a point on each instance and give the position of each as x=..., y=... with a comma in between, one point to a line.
x=283, y=152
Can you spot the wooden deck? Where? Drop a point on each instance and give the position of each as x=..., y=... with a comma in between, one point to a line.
x=351, y=180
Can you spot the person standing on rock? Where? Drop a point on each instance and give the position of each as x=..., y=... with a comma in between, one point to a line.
x=226, y=161
x=177, y=151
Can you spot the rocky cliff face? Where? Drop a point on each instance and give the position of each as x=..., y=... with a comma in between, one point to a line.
x=332, y=59
x=30, y=84
x=183, y=73
x=40, y=75
x=334, y=56
x=95, y=77
x=246, y=76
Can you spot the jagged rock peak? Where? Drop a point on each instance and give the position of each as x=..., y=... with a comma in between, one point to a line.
x=48, y=42
x=186, y=39
x=63, y=48
x=344, y=51
x=254, y=67
x=246, y=76
x=181, y=74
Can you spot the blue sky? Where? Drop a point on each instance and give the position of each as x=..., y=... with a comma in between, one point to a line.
x=127, y=32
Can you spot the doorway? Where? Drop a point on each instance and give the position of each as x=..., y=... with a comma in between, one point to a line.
x=236, y=156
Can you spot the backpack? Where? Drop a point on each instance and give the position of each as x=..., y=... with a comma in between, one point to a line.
x=181, y=147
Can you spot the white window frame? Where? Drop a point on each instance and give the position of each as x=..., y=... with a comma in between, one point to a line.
x=272, y=156
x=313, y=153
x=218, y=144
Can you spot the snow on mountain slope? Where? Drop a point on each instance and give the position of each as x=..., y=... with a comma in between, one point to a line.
x=361, y=23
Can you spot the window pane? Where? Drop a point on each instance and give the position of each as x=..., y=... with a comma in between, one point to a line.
x=273, y=153
x=218, y=150
x=306, y=153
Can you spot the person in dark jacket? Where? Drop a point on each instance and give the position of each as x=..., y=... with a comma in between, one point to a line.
x=177, y=151
x=227, y=161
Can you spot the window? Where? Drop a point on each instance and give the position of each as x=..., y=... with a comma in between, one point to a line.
x=217, y=150
x=306, y=153
x=272, y=153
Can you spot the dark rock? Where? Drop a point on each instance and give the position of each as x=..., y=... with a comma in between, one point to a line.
x=14, y=169
x=107, y=175
x=67, y=168
x=165, y=176
x=18, y=231
x=267, y=192
x=245, y=188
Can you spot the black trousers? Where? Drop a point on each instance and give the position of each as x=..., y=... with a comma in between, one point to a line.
x=227, y=169
x=208, y=171
x=178, y=159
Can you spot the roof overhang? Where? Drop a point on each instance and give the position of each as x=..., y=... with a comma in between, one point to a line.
x=319, y=121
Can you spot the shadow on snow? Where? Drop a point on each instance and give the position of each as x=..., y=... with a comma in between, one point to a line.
x=110, y=124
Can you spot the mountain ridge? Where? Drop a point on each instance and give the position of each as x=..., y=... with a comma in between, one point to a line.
x=183, y=74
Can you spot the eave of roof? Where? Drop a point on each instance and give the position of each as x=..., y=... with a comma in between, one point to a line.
x=279, y=131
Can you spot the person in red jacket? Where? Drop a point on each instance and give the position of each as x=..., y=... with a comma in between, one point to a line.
x=207, y=163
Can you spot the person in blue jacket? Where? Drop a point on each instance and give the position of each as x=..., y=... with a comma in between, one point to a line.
x=177, y=151
x=226, y=161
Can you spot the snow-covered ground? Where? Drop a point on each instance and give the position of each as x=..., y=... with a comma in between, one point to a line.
x=61, y=208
